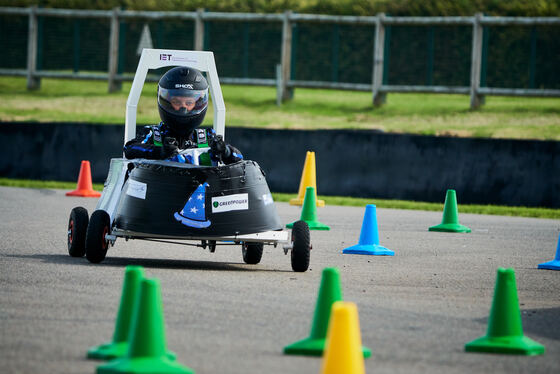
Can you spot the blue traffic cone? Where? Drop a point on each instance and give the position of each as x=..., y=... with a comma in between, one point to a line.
x=369, y=237
x=554, y=264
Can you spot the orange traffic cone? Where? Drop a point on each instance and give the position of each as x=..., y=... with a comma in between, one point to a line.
x=84, y=188
x=308, y=179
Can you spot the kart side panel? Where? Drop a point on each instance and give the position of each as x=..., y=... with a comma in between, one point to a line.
x=112, y=186
x=167, y=198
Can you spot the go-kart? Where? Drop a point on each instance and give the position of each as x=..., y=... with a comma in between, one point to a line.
x=171, y=202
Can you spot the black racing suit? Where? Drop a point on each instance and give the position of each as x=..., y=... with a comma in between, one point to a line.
x=160, y=143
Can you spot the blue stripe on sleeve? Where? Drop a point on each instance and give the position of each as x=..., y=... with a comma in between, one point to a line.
x=147, y=138
x=141, y=149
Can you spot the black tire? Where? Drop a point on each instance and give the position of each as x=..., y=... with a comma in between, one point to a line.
x=252, y=252
x=301, y=241
x=96, y=245
x=77, y=228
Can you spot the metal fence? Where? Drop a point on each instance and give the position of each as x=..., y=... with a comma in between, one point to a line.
x=283, y=37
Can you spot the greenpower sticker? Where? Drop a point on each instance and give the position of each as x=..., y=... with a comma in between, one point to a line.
x=228, y=203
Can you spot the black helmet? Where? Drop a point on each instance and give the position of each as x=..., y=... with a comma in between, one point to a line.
x=182, y=99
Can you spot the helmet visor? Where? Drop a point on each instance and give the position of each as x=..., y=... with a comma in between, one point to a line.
x=181, y=101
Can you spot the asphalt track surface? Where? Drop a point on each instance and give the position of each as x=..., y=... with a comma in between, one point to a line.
x=417, y=309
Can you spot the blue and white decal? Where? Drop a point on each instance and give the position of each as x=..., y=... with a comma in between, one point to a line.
x=193, y=213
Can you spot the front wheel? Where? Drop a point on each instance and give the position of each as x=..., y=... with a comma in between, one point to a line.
x=301, y=246
x=96, y=244
x=77, y=227
x=252, y=252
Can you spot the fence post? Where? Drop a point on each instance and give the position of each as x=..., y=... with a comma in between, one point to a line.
x=279, y=85
x=378, y=52
x=199, y=30
x=476, y=59
x=287, y=93
x=33, y=82
x=114, y=85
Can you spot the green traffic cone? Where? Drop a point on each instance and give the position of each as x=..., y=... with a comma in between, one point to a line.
x=147, y=351
x=329, y=292
x=119, y=346
x=309, y=212
x=450, y=221
x=505, y=332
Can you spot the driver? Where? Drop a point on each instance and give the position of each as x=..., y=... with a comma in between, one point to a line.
x=182, y=104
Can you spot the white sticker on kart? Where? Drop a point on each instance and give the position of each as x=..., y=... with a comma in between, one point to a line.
x=267, y=199
x=137, y=189
x=228, y=203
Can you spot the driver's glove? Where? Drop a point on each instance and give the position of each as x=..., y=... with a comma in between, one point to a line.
x=219, y=148
x=169, y=148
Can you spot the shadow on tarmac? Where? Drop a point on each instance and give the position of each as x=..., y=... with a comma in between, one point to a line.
x=149, y=263
x=544, y=322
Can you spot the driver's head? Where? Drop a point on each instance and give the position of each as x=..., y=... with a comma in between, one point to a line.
x=183, y=103
x=182, y=99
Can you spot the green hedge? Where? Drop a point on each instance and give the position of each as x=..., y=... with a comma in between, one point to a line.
x=529, y=8
x=520, y=57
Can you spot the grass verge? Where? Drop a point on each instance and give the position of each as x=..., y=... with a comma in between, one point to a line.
x=340, y=200
x=249, y=106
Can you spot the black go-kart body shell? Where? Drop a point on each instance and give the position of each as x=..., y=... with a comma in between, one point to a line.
x=181, y=200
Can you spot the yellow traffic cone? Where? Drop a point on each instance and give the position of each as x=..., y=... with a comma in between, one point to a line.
x=308, y=179
x=343, y=350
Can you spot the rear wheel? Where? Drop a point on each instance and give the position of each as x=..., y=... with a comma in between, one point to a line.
x=96, y=244
x=301, y=246
x=252, y=252
x=77, y=227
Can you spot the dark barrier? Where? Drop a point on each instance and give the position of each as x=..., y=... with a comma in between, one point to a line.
x=53, y=151
x=349, y=162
